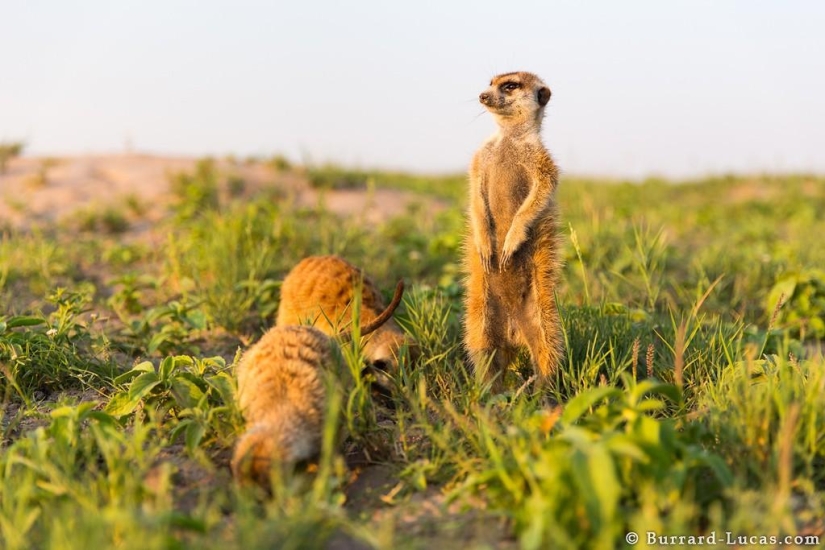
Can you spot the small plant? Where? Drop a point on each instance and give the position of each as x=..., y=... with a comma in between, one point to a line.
x=332, y=176
x=50, y=353
x=41, y=178
x=113, y=221
x=135, y=205
x=236, y=186
x=9, y=151
x=109, y=221
x=199, y=394
x=196, y=193
x=163, y=328
x=279, y=163
x=797, y=303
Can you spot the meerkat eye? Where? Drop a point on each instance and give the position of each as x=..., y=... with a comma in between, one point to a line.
x=510, y=86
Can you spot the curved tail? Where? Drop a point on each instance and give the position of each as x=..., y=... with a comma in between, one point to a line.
x=382, y=318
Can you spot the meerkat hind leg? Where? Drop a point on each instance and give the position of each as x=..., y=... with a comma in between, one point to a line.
x=546, y=339
x=487, y=342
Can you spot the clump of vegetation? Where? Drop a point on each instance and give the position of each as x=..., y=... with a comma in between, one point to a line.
x=135, y=205
x=798, y=300
x=110, y=220
x=54, y=352
x=279, y=163
x=236, y=185
x=690, y=400
x=333, y=176
x=9, y=151
x=197, y=192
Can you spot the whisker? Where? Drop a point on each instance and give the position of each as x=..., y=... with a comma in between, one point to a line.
x=476, y=117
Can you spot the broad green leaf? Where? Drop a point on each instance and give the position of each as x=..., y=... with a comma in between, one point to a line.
x=145, y=366
x=179, y=427
x=225, y=386
x=186, y=393
x=217, y=362
x=157, y=341
x=126, y=376
x=121, y=405
x=103, y=418
x=166, y=368
x=194, y=434
x=651, y=405
x=196, y=319
x=580, y=404
x=143, y=384
x=656, y=388
x=62, y=412
x=23, y=321
x=648, y=430
x=784, y=288
x=719, y=467
x=578, y=437
x=595, y=474
x=184, y=360
x=195, y=379
x=183, y=521
x=621, y=444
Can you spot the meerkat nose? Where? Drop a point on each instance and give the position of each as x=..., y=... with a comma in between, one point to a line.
x=484, y=97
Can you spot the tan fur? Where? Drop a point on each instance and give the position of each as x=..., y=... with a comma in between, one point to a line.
x=512, y=253
x=282, y=394
x=319, y=292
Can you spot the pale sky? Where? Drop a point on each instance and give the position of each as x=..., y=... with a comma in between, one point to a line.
x=674, y=88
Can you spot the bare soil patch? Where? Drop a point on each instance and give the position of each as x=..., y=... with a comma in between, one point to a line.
x=38, y=190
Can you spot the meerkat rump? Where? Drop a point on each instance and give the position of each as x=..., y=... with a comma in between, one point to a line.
x=319, y=291
x=512, y=253
x=282, y=394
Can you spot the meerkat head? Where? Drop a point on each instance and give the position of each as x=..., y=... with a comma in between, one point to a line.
x=382, y=356
x=516, y=98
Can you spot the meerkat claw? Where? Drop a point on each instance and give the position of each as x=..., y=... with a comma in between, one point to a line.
x=505, y=261
x=486, y=263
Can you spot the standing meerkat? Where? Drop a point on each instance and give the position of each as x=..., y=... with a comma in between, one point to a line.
x=282, y=394
x=512, y=253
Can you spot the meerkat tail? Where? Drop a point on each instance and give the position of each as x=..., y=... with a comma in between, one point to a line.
x=382, y=318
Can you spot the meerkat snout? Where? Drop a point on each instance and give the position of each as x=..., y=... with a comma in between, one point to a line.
x=485, y=98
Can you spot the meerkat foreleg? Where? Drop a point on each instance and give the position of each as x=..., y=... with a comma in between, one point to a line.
x=480, y=220
x=535, y=203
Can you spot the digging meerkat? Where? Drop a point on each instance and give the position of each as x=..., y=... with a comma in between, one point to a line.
x=282, y=394
x=512, y=252
x=319, y=291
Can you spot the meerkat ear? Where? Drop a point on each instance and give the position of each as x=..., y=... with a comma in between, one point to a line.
x=544, y=95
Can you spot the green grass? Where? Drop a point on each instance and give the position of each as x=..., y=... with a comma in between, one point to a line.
x=692, y=400
x=333, y=176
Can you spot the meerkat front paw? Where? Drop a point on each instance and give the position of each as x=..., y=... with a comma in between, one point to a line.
x=485, y=252
x=511, y=245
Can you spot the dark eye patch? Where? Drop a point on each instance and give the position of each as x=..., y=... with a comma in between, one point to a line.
x=509, y=86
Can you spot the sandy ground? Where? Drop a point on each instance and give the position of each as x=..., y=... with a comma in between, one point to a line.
x=36, y=190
